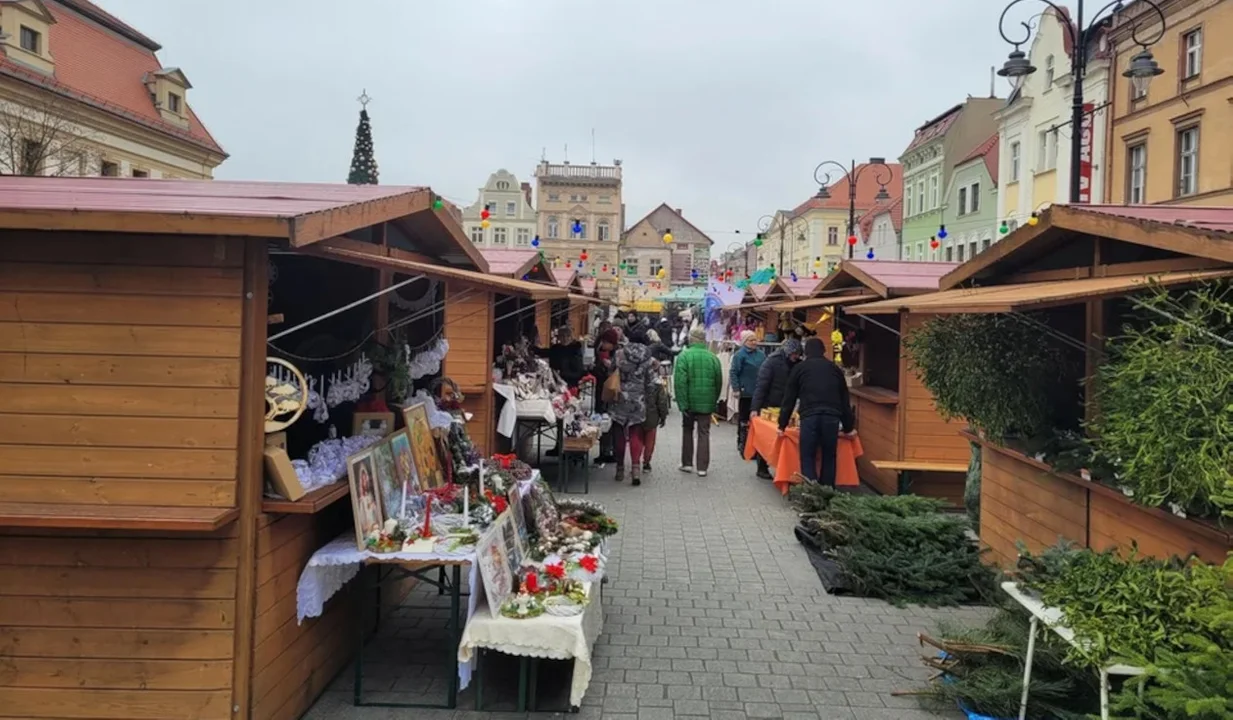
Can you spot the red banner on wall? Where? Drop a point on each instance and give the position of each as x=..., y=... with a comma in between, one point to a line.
x=1087, y=139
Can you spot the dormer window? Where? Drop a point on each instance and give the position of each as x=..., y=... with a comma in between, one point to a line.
x=175, y=103
x=167, y=89
x=31, y=40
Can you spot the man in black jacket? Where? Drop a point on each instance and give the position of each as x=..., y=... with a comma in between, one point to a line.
x=772, y=380
x=826, y=410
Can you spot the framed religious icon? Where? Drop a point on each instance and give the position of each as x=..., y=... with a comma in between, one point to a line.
x=494, y=564
x=423, y=446
x=404, y=464
x=372, y=424
x=388, y=483
x=518, y=517
x=365, y=496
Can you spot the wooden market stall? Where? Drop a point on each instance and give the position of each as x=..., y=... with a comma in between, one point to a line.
x=143, y=573
x=1075, y=266
x=908, y=446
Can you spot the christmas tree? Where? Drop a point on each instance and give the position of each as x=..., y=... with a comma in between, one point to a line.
x=363, y=164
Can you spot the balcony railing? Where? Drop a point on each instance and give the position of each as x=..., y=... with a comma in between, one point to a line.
x=578, y=172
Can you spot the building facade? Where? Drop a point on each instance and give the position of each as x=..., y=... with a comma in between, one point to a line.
x=579, y=209
x=785, y=243
x=1034, y=126
x=971, y=199
x=880, y=231
x=511, y=217
x=83, y=93
x=1172, y=144
x=685, y=261
x=929, y=162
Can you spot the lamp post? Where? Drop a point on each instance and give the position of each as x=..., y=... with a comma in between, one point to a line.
x=734, y=247
x=765, y=223
x=853, y=174
x=1143, y=66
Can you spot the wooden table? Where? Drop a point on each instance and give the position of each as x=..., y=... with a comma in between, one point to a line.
x=905, y=468
x=784, y=454
x=1053, y=619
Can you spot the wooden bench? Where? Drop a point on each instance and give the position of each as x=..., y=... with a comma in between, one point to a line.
x=905, y=468
x=115, y=517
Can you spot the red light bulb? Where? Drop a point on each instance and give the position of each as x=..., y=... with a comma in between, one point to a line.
x=851, y=239
x=583, y=256
x=484, y=214
x=934, y=244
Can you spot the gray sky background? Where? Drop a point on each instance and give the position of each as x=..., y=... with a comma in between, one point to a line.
x=718, y=107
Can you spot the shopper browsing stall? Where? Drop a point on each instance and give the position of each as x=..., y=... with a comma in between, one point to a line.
x=825, y=410
x=769, y=389
x=628, y=412
x=743, y=378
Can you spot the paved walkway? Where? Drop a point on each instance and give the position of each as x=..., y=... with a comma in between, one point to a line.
x=712, y=611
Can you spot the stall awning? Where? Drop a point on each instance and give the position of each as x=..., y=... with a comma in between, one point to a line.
x=508, y=286
x=575, y=297
x=824, y=302
x=1031, y=296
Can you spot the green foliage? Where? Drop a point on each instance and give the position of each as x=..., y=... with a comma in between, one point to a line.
x=1125, y=608
x=901, y=548
x=1166, y=401
x=1195, y=682
x=998, y=371
x=983, y=669
x=971, y=485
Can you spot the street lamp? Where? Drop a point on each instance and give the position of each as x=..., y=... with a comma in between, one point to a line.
x=764, y=225
x=1143, y=66
x=853, y=174
x=733, y=248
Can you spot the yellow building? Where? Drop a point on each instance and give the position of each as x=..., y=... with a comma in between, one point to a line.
x=579, y=210
x=83, y=93
x=1173, y=143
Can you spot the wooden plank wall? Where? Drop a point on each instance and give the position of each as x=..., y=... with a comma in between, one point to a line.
x=1114, y=523
x=483, y=421
x=878, y=426
x=119, y=385
x=1019, y=501
x=116, y=626
x=543, y=321
x=119, y=369
x=578, y=318
x=468, y=327
x=926, y=436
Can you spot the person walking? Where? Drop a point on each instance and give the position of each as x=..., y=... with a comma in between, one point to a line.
x=743, y=379
x=605, y=357
x=638, y=374
x=826, y=410
x=772, y=381
x=697, y=381
x=656, y=417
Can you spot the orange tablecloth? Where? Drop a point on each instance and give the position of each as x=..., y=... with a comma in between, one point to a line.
x=784, y=453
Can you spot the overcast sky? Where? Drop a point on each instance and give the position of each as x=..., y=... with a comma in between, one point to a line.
x=718, y=107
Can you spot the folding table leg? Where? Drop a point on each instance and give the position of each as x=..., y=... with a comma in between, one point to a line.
x=1104, y=694
x=1027, y=669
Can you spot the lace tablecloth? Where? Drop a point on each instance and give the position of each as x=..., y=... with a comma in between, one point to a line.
x=546, y=636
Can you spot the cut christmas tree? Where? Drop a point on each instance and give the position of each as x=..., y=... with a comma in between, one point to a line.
x=363, y=164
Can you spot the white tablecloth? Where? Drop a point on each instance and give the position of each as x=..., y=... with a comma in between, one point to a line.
x=546, y=636
x=515, y=410
x=335, y=564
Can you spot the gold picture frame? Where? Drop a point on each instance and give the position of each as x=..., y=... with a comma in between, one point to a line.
x=365, y=496
x=424, y=446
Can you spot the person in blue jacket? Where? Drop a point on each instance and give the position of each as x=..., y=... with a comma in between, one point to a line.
x=743, y=379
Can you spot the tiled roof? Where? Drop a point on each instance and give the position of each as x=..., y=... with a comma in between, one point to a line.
x=989, y=151
x=867, y=187
x=588, y=285
x=894, y=206
x=510, y=263
x=1207, y=219
x=564, y=277
x=105, y=70
x=934, y=128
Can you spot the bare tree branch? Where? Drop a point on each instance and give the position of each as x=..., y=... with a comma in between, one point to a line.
x=42, y=137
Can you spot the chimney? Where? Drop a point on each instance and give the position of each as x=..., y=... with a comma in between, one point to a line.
x=526, y=190
x=680, y=212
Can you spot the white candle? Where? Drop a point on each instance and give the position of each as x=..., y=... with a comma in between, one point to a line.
x=481, y=477
x=466, y=506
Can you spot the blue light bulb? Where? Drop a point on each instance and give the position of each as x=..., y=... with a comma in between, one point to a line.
x=869, y=254
x=942, y=232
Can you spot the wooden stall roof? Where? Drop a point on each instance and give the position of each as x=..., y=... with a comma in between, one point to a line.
x=299, y=213
x=840, y=300
x=1197, y=232
x=397, y=262
x=579, y=297
x=799, y=288
x=566, y=278
x=1032, y=296
x=589, y=286
x=886, y=278
x=760, y=292
x=510, y=263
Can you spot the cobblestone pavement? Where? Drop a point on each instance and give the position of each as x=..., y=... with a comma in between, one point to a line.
x=712, y=611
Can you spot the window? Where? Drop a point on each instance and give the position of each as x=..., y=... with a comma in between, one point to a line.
x=31, y=40
x=950, y=254
x=631, y=266
x=655, y=265
x=920, y=196
x=959, y=253
x=605, y=199
x=140, y=173
x=477, y=235
x=554, y=227
x=907, y=204
x=174, y=102
x=1136, y=178
x=577, y=198
x=974, y=198
x=109, y=169
x=1188, y=161
x=553, y=197
x=920, y=251
x=963, y=201
x=1192, y=58
x=933, y=191
x=523, y=237
x=31, y=157
x=1046, y=151
x=582, y=230
x=1048, y=73
x=971, y=250
x=984, y=244
x=832, y=235
x=1014, y=161
x=603, y=231
x=499, y=236
x=511, y=208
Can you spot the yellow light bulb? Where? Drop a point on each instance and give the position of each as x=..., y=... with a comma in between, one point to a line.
x=1033, y=220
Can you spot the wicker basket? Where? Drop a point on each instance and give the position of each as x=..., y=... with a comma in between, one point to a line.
x=562, y=607
x=579, y=444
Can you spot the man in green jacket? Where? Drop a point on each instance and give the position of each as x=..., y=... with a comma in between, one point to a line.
x=698, y=378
